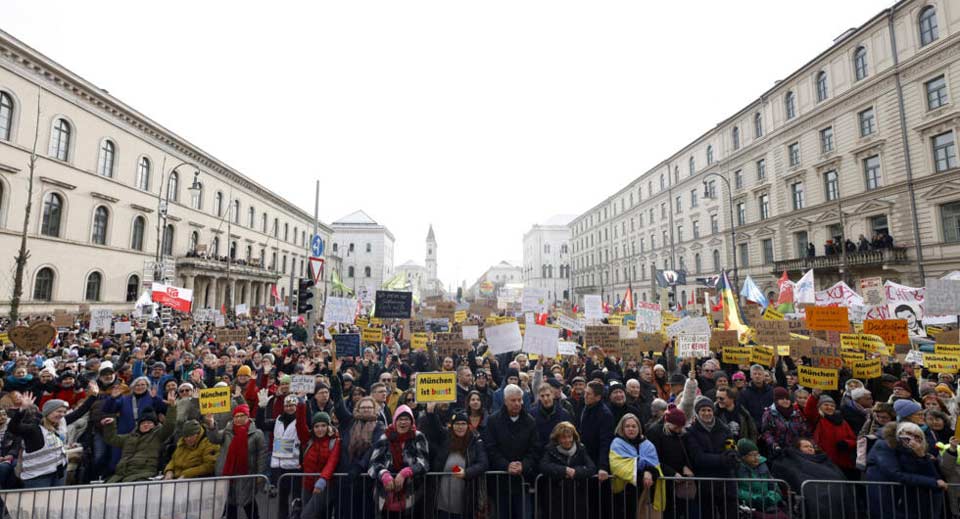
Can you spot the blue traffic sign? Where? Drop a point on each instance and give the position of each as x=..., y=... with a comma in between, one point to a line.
x=316, y=245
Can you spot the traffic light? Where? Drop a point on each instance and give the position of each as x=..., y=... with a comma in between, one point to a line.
x=304, y=295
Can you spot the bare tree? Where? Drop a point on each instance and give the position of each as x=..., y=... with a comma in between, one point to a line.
x=24, y=254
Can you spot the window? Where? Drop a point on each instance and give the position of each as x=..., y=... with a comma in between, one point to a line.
x=350, y=248
x=790, y=105
x=793, y=150
x=679, y=205
x=944, y=152
x=821, y=86
x=139, y=229
x=143, y=174
x=761, y=169
x=736, y=138
x=741, y=213
x=108, y=155
x=168, y=240
x=936, y=92
x=831, y=185
x=251, y=217
x=350, y=272
x=663, y=184
x=868, y=122
x=696, y=228
x=757, y=125
x=692, y=164
x=286, y=232
x=709, y=155
x=100, y=218
x=94, y=280
x=679, y=233
x=196, y=197
x=218, y=204
x=369, y=248
x=263, y=223
x=276, y=227
x=835, y=231
x=714, y=224
x=878, y=224
x=860, y=63
x=335, y=247
x=173, y=187
x=663, y=212
x=871, y=172
x=43, y=285
x=60, y=140
x=738, y=179
x=693, y=198
x=711, y=189
x=929, y=31
x=950, y=219
x=764, y=206
x=767, y=246
x=133, y=287
x=826, y=140
x=52, y=213
x=716, y=260
x=236, y=212
x=6, y=116
x=194, y=240
x=697, y=263
x=800, y=242
x=796, y=195
x=216, y=246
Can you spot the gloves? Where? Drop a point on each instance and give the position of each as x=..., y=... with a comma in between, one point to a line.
x=406, y=472
x=262, y=397
x=386, y=479
x=321, y=484
x=842, y=446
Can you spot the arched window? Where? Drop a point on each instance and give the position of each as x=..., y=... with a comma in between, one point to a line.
x=94, y=280
x=236, y=212
x=249, y=255
x=366, y=272
x=168, y=240
x=173, y=187
x=233, y=250
x=143, y=174
x=860, y=63
x=251, y=217
x=52, y=213
x=716, y=260
x=196, y=197
x=736, y=138
x=60, y=140
x=822, y=93
x=43, y=285
x=6, y=116
x=100, y=219
x=757, y=125
x=139, y=229
x=790, y=105
x=108, y=155
x=218, y=204
x=929, y=31
x=286, y=232
x=194, y=240
x=709, y=155
x=216, y=246
x=263, y=223
x=350, y=271
x=693, y=165
x=697, y=263
x=133, y=288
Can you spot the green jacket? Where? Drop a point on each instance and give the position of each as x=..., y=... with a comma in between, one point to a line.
x=140, y=453
x=759, y=495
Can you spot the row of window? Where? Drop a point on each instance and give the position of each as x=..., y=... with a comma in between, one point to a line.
x=44, y=282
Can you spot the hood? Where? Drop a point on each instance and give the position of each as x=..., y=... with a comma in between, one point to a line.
x=889, y=434
x=401, y=409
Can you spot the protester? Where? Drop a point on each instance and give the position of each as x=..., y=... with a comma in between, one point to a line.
x=832, y=433
x=513, y=446
x=140, y=449
x=43, y=462
x=320, y=456
x=634, y=463
x=783, y=423
x=902, y=457
x=759, y=496
x=710, y=444
x=458, y=450
x=243, y=451
x=398, y=465
x=567, y=468
x=805, y=467
x=195, y=456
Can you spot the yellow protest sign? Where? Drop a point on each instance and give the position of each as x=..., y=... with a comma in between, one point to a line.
x=631, y=325
x=818, y=378
x=783, y=350
x=436, y=387
x=362, y=322
x=947, y=349
x=376, y=321
x=459, y=316
x=419, y=341
x=941, y=363
x=4, y=338
x=372, y=335
x=771, y=314
x=215, y=400
x=867, y=369
x=668, y=318
x=762, y=355
x=849, y=341
x=615, y=320
x=736, y=355
x=872, y=343
x=851, y=357
x=490, y=321
x=505, y=319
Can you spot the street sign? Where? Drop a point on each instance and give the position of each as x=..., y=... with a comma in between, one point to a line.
x=316, y=245
x=316, y=268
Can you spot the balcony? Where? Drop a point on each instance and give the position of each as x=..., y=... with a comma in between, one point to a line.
x=874, y=258
x=215, y=266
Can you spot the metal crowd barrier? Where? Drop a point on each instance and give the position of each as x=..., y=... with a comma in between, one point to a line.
x=201, y=498
x=841, y=499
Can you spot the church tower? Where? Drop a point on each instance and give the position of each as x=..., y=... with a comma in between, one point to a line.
x=431, y=260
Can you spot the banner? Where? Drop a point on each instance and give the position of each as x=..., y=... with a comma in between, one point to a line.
x=348, y=344
x=302, y=384
x=941, y=363
x=892, y=331
x=941, y=297
x=737, y=355
x=122, y=327
x=906, y=303
x=818, y=378
x=175, y=297
x=828, y=318
x=215, y=400
x=670, y=278
x=471, y=332
x=101, y=319
x=372, y=335
x=867, y=369
x=838, y=295
x=436, y=387
x=592, y=308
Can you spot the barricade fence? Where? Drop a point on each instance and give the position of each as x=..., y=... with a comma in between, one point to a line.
x=492, y=495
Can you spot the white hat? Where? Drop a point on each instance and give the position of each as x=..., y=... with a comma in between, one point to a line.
x=106, y=364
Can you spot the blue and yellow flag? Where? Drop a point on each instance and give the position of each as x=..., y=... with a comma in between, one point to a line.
x=732, y=320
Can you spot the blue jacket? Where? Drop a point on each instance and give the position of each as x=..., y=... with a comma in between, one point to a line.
x=123, y=407
x=917, y=496
x=756, y=400
x=596, y=432
x=546, y=421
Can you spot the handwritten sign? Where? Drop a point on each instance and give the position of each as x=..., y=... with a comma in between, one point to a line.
x=339, y=310
x=101, y=319
x=504, y=338
x=941, y=363
x=723, y=338
x=828, y=318
x=534, y=300
x=606, y=337
x=737, y=355
x=762, y=355
x=771, y=314
x=393, y=304
x=451, y=343
x=649, y=317
x=304, y=384
x=772, y=332
x=693, y=345
x=567, y=348
x=471, y=332
x=436, y=387
x=372, y=335
x=941, y=297
x=892, y=331
x=419, y=341
x=122, y=327
x=541, y=340
x=215, y=400
x=231, y=335
x=348, y=344
x=32, y=339
x=818, y=378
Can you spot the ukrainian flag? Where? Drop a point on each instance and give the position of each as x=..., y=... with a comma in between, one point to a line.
x=731, y=312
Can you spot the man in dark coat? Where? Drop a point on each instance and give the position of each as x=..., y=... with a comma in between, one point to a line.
x=736, y=418
x=758, y=395
x=596, y=427
x=710, y=445
x=513, y=446
x=619, y=405
x=548, y=413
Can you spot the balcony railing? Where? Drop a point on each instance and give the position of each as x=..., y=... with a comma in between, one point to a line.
x=873, y=258
x=220, y=265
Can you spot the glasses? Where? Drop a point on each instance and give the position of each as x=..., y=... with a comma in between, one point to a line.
x=183, y=391
x=386, y=379
x=709, y=370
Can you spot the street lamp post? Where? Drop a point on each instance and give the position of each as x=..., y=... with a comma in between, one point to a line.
x=733, y=224
x=162, y=208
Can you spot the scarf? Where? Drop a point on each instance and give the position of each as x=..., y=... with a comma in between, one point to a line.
x=237, y=462
x=834, y=418
x=397, y=441
x=459, y=443
x=568, y=452
x=708, y=426
x=785, y=412
x=361, y=437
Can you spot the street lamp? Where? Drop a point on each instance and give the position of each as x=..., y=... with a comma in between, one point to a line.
x=707, y=193
x=162, y=207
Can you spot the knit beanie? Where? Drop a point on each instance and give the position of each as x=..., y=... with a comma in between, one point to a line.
x=148, y=416
x=825, y=399
x=779, y=393
x=52, y=405
x=746, y=446
x=244, y=370
x=905, y=408
x=700, y=403
x=675, y=416
x=241, y=409
x=321, y=417
x=190, y=427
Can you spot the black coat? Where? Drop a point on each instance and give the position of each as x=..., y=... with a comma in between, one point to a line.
x=562, y=497
x=756, y=400
x=596, y=432
x=670, y=449
x=507, y=441
x=438, y=439
x=709, y=450
x=825, y=500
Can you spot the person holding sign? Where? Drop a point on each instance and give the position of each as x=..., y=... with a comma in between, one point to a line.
x=831, y=432
x=456, y=449
x=398, y=464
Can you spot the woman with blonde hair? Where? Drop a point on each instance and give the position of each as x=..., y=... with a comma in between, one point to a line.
x=568, y=470
x=635, y=467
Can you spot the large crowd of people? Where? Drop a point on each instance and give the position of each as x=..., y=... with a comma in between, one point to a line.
x=585, y=435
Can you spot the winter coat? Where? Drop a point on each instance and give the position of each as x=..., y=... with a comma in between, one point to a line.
x=918, y=496
x=320, y=456
x=507, y=441
x=194, y=462
x=755, y=400
x=140, y=452
x=71, y=395
x=779, y=432
x=123, y=407
x=711, y=451
x=758, y=495
x=346, y=463
x=838, y=441
x=596, y=432
x=438, y=438
x=951, y=474
x=548, y=419
x=853, y=416
x=821, y=499
x=244, y=490
x=671, y=450
x=747, y=428
x=415, y=456
x=564, y=497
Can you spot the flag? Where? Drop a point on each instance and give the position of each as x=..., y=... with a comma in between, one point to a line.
x=670, y=278
x=628, y=299
x=275, y=294
x=751, y=292
x=785, y=286
x=175, y=297
x=731, y=313
x=337, y=284
x=617, y=304
x=805, y=290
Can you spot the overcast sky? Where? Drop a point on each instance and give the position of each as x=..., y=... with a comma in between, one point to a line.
x=482, y=118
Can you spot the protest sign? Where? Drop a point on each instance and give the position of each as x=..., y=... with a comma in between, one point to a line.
x=231, y=335
x=436, y=325
x=122, y=327
x=592, y=308
x=371, y=335
x=604, y=336
x=219, y=321
x=737, y=355
x=751, y=312
x=818, y=378
x=828, y=318
x=772, y=332
x=241, y=309
x=451, y=344
x=783, y=350
x=892, y=331
x=762, y=355
x=436, y=387
x=348, y=344
x=304, y=384
x=872, y=291
x=941, y=297
x=62, y=319
x=418, y=341
x=393, y=304
x=693, y=345
x=503, y=338
x=567, y=348
x=935, y=363
x=569, y=323
x=541, y=340
x=101, y=319
x=460, y=316
x=771, y=314
x=34, y=338
x=633, y=349
x=615, y=319
x=215, y=400
x=907, y=303
x=690, y=325
x=534, y=300
x=947, y=349
x=339, y=310
x=867, y=369
x=471, y=332
x=649, y=317
x=723, y=338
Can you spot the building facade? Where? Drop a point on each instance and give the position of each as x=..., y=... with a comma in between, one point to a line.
x=862, y=140
x=498, y=276
x=366, y=251
x=546, y=258
x=113, y=191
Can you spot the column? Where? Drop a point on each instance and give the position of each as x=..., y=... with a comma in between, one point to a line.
x=248, y=292
x=188, y=281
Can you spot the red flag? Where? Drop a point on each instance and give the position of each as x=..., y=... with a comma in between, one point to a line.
x=628, y=300
x=786, y=289
x=223, y=309
x=273, y=292
x=542, y=319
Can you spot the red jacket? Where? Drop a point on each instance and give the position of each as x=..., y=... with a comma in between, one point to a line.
x=250, y=395
x=71, y=396
x=320, y=457
x=827, y=436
